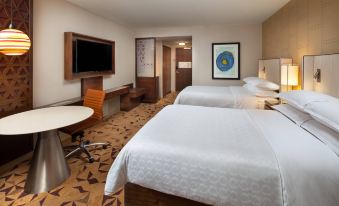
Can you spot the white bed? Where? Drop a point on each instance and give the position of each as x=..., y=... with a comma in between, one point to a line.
x=225, y=97
x=226, y=156
x=233, y=96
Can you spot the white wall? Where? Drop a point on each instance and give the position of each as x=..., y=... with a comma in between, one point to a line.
x=51, y=19
x=202, y=38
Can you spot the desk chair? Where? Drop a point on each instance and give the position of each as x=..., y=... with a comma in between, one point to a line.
x=95, y=100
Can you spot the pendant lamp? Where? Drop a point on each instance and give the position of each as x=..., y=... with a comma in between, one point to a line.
x=13, y=42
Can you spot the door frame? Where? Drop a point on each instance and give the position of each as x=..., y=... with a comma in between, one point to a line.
x=170, y=72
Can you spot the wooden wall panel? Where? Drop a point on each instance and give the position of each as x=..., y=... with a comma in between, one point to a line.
x=16, y=78
x=302, y=27
x=166, y=70
x=183, y=55
x=151, y=84
x=183, y=77
x=16, y=71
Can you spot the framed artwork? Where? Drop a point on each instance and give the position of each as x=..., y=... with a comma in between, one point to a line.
x=226, y=61
x=145, y=57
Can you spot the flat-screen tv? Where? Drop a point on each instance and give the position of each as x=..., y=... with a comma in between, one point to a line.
x=89, y=56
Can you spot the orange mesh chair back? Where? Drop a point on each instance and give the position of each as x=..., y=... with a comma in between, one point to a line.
x=95, y=100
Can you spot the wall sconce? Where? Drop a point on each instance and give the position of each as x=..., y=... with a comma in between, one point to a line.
x=289, y=75
x=317, y=75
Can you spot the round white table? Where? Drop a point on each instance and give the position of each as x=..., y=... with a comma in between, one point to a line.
x=48, y=167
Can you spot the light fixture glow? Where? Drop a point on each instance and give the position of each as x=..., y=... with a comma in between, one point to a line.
x=187, y=48
x=13, y=42
x=182, y=43
x=289, y=75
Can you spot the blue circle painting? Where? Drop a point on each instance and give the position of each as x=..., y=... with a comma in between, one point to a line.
x=225, y=61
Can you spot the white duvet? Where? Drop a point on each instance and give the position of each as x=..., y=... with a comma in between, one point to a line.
x=228, y=157
x=212, y=96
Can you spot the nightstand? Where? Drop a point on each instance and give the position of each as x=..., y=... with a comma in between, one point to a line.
x=270, y=103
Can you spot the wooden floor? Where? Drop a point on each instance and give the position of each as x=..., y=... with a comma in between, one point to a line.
x=86, y=184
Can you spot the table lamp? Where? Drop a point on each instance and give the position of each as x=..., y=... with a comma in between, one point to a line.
x=289, y=76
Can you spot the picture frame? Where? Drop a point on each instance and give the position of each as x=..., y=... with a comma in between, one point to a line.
x=226, y=61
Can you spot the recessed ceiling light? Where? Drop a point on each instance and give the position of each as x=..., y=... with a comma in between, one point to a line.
x=182, y=44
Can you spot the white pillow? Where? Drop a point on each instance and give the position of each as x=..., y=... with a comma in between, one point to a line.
x=297, y=116
x=300, y=98
x=324, y=134
x=267, y=85
x=326, y=113
x=252, y=80
x=259, y=92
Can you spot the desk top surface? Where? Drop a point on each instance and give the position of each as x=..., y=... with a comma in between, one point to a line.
x=40, y=120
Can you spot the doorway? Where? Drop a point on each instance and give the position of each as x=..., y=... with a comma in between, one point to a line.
x=176, y=63
x=183, y=70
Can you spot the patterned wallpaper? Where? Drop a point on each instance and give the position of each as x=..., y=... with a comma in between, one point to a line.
x=302, y=27
x=16, y=71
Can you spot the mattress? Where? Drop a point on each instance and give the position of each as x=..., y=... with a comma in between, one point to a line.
x=213, y=96
x=223, y=156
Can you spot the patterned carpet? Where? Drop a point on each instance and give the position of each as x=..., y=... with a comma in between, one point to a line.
x=86, y=183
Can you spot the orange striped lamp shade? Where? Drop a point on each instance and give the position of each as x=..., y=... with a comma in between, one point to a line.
x=14, y=42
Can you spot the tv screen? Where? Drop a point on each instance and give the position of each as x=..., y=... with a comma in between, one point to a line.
x=91, y=56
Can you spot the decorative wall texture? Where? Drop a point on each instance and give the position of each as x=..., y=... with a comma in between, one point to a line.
x=16, y=71
x=302, y=27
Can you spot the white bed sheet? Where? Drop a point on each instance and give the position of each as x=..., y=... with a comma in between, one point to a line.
x=214, y=96
x=228, y=157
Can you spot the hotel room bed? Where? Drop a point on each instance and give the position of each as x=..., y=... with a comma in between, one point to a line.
x=241, y=97
x=226, y=97
x=245, y=157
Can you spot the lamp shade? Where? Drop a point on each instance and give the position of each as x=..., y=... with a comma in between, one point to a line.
x=14, y=42
x=289, y=75
x=262, y=70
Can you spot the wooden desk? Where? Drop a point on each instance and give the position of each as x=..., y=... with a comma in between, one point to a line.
x=77, y=101
x=112, y=93
x=132, y=99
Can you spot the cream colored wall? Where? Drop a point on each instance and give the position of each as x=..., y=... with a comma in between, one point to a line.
x=302, y=27
x=202, y=39
x=51, y=19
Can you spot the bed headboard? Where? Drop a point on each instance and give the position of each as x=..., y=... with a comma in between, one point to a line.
x=270, y=69
x=328, y=66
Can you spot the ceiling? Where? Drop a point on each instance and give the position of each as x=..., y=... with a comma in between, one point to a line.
x=174, y=41
x=155, y=13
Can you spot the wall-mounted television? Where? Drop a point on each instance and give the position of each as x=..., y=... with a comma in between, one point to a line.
x=91, y=56
x=87, y=56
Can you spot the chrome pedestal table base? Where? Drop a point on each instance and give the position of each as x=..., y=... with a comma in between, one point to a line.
x=48, y=167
